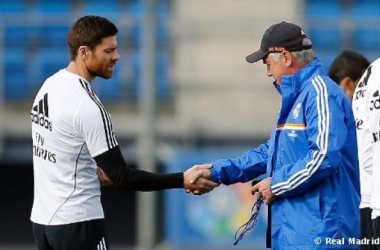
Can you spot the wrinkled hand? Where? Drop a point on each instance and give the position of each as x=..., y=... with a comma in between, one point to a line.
x=103, y=177
x=263, y=187
x=197, y=179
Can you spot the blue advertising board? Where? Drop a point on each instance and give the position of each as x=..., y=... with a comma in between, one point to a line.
x=210, y=220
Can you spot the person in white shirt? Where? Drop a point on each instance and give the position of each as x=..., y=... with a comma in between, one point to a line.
x=72, y=134
x=346, y=70
x=366, y=105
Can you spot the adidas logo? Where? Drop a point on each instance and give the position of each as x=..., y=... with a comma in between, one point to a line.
x=102, y=245
x=40, y=114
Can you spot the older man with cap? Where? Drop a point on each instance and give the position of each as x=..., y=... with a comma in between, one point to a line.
x=310, y=160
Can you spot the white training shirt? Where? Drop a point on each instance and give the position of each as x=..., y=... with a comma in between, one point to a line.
x=366, y=108
x=70, y=126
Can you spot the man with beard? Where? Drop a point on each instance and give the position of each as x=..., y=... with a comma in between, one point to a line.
x=72, y=135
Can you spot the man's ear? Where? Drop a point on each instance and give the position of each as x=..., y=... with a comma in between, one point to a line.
x=347, y=83
x=288, y=58
x=348, y=86
x=82, y=52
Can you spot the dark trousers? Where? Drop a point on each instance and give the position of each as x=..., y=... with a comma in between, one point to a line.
x=376, y=230
x=366, y=231
x=268, y=241
x=86, y=235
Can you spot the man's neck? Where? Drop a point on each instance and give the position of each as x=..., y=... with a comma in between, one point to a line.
x=79, y=69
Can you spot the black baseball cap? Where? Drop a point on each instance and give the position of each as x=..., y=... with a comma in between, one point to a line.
x=279, y=37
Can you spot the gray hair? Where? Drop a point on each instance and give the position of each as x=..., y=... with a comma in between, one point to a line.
x=303, y=56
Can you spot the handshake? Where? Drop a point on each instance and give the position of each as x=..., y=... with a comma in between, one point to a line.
x=197, y=179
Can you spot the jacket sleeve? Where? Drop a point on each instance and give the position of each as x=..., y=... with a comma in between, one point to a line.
x=243, y=168
x=326, y=134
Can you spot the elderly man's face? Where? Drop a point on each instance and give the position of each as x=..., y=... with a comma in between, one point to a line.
x=276, y=66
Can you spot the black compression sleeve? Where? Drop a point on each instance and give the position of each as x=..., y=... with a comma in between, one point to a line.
x=124, y=177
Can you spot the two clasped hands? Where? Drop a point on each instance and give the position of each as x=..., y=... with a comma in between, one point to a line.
x=197, y=180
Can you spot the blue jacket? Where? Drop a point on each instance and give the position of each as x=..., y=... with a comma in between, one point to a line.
x=312, y=159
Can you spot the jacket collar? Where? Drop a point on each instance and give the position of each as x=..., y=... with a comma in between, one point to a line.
x=292, y=85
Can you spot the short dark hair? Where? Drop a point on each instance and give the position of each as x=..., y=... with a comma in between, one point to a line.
x=89, y=31
x=348, y=63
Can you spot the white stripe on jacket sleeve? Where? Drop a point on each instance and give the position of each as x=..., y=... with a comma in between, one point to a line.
x=322, y=142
